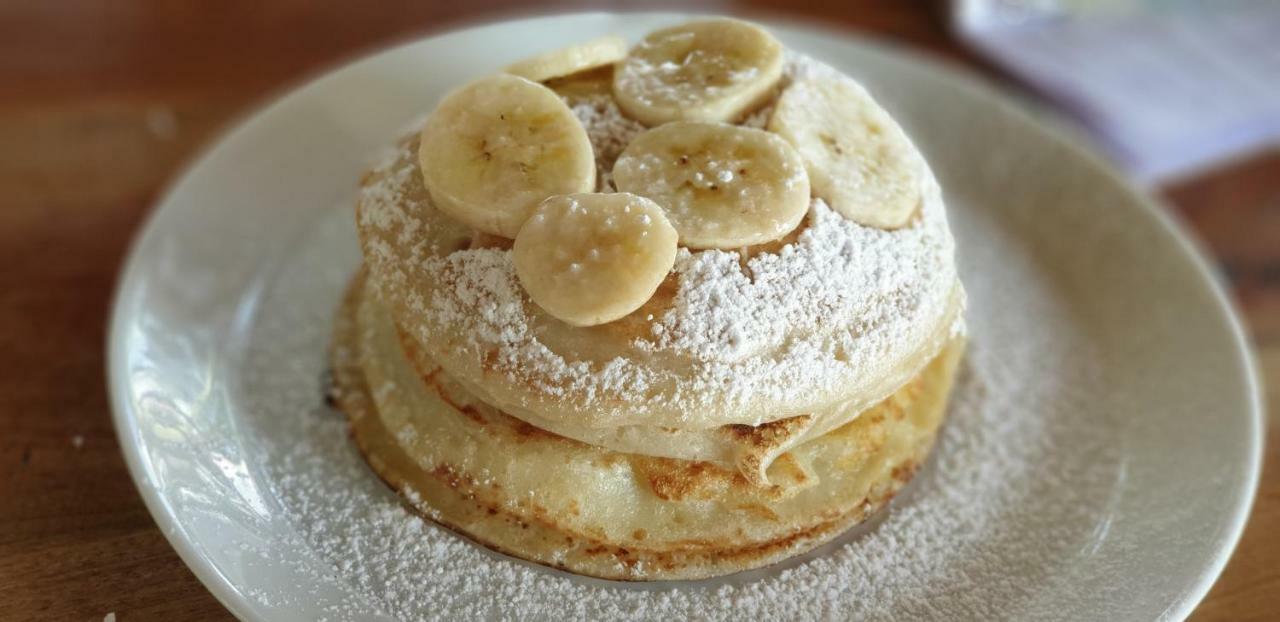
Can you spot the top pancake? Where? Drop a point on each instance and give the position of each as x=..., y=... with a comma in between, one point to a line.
x=838, y=314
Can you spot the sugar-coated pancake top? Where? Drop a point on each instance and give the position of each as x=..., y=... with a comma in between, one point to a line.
x=835, y=312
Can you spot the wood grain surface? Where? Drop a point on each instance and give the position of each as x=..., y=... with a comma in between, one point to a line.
x=100, y=104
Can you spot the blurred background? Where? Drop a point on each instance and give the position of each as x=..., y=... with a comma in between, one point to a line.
x=101, y=103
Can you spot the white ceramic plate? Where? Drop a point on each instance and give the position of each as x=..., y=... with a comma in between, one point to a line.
x=1099, y=462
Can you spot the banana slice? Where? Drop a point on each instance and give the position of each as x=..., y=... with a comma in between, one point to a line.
x=859, y=160
x=497, y=147
x=588, y=259
x=722, y=186
x=571, y=60
x=713, y=70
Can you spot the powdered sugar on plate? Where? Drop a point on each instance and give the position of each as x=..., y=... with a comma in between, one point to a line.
x=1012, y=491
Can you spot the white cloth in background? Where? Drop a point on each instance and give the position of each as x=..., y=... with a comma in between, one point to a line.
x=1166, y=88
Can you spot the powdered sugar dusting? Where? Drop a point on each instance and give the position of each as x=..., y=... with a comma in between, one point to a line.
x=609, y=132
x=1036, y=505
x=774, y=335
x=986, y=523
x=835, y=271
x=487, y=297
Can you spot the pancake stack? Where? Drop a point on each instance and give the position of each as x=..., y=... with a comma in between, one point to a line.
x=666, y=312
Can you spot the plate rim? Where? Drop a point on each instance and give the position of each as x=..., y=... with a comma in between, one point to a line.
x=1170, y=225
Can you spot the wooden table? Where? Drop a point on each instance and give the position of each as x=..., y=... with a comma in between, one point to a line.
x=101, y=102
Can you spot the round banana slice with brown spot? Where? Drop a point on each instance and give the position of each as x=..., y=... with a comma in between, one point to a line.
x=859, y=160
x=712, y=70
x=722, y=186
x=592, y=258
x=571, y=60
x=495, y=148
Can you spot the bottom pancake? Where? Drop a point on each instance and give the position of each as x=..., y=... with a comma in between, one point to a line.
x=538, y=496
